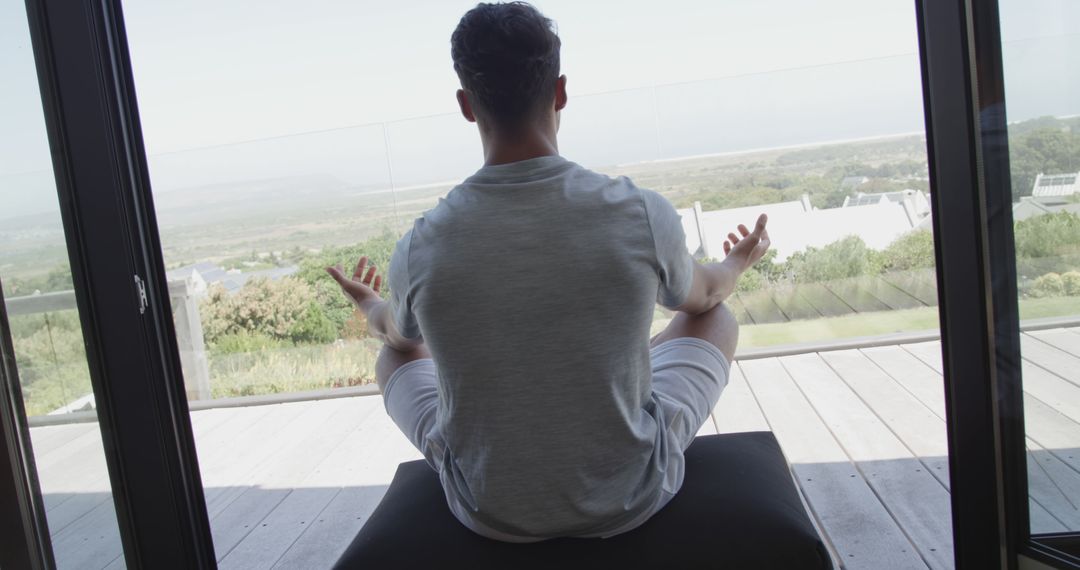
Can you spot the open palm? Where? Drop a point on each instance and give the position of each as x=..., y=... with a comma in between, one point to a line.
x=747, y=247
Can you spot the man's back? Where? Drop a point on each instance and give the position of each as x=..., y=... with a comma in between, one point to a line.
x=534, y=285
x=516, y=355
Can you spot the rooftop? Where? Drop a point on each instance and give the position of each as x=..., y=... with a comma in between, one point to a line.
x=862, y=425
x=1056, y=184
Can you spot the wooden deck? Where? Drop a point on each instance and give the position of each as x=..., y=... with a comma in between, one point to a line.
x=288, y=485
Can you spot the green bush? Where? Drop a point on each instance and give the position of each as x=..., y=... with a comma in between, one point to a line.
x=338, y=309
x=1049, y=285
x=282, y=310
x=1048, y=236
x=1071, y=283
x=751, y=280
x=246, y=341
x=51, y=358
x=913, y=250
x=847, y=257
x=313, y=326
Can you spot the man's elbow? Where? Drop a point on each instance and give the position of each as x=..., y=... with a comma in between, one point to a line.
x=696, y=305
x=400, y=343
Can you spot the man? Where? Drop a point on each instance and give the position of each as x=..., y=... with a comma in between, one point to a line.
x=517, y=356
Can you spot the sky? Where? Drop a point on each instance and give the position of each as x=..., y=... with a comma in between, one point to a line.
x=647, y=80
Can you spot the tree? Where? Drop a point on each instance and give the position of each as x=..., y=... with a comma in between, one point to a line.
x=912, y=250
x=284, y=310
x=847, y=257
x=1045, y=150
x=327, y=293
x=1050, y=235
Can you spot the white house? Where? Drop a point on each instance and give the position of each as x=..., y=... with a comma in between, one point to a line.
x=795, y=225
x=1047, y=185
x=204, y=274
x=915, y=202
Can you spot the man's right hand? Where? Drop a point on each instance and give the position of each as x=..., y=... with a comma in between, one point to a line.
x=715, y=282
x=743, y=252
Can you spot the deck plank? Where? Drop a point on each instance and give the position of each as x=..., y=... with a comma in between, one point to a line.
x=853, y=519
x=919, y=503
x=363, y=469
x=84, y=482
x=916, y=376
x=1050, y=357
x=315, y=494
x=226, y=463
x=1054, y=486
x=46, y=439
x=1061, y=339
x=737, y=410
x=919, y=429
x=91, y=542
x=928, y=352
x=90, y=539
x=266, y=534
x=1053, y=390
x=1049, y=512
x=290, y=437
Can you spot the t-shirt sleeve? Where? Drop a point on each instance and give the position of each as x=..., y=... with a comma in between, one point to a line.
x=673, y=261
x=401, y=289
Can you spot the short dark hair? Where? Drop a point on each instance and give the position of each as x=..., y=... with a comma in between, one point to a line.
x=507, y=57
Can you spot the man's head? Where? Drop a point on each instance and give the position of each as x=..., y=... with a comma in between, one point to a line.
x=507, y=57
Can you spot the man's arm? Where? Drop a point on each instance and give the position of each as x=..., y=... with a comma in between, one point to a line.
x=714, y=282
x=381, y=326
x=363, y=290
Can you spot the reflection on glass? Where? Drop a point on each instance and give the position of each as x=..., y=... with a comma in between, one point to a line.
x=45, y=329
x=1044, y=157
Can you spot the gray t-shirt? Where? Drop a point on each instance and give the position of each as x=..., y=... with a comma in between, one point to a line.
x=534, y=284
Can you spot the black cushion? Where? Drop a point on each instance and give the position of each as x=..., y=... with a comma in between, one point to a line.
x=738, y=508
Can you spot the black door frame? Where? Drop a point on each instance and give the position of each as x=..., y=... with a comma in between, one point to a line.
x=971, y=197
x=100, y=167
x=99, y=164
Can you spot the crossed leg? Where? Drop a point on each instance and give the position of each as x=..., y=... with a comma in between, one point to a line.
x=390, y=360
x=717, y=326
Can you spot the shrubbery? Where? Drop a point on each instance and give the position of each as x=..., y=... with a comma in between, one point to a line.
x=1050, y=235
x=327, y=294
x=1049, y=285
x=280, y=310
x=913, y=250
x=1070, y=281
x=1055, y=285
x=847, y=257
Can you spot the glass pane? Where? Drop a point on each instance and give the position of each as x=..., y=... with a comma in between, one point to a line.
x=289, y=138
x=45, y=328
x=1041, y=50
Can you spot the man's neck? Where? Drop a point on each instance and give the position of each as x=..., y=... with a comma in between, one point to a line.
x=506, y=148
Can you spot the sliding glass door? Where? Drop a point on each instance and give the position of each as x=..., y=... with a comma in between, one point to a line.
x=106, y=357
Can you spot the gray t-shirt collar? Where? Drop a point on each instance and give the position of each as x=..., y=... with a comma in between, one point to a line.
x=528, y=170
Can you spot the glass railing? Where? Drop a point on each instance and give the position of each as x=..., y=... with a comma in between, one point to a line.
x=841, y=170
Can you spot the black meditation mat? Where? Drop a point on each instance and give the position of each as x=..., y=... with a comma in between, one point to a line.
x=738, y=508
